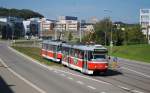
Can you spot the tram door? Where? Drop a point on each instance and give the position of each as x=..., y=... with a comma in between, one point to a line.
x=55, y=51
x=85, y=61
x=46, y=48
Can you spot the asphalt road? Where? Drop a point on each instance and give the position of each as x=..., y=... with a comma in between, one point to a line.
x=129, y=78
x=9, y=83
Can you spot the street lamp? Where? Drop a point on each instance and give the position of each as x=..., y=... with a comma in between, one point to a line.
x=111, y=43
x=148, y=39
x=123, y=29
x=80, y=29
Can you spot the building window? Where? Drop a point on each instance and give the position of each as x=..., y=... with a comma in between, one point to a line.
x=144, y=11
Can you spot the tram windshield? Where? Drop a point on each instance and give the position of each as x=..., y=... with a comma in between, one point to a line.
x=98, y=56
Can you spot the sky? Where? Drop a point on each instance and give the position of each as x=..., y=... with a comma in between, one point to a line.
x=118, y=10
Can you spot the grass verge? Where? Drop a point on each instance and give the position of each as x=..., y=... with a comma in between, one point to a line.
x=133, y=52
x=35, y=54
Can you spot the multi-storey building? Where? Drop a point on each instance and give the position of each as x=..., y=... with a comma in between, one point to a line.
x=67, y=23
x=145, y=21
x=13, y=27
x=47, y=28
x=26, y=24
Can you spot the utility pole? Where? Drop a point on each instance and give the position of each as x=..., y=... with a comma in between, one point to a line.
x=111, y=42
x=148, y=40
x=80, y=32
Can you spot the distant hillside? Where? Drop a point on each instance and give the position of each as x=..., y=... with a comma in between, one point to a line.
x=23, y=13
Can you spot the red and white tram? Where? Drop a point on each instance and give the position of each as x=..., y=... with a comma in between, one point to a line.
x=51, y=50
x=85, y=58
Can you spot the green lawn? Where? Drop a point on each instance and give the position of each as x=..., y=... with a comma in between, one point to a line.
x=27, y=42
x=134, y=52
x=35, y=53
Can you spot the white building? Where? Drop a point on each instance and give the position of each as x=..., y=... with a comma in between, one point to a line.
x=47, y=28
x=145, y=22
x=3, y=19
x=67, y=23
x=26, y=24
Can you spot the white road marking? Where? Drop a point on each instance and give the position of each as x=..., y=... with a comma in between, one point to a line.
x=63, y=75
x=56, y=71
x=50, y=68
x=84, y=77
x=136, y=72
x=80, y=82
x=131, y=90
x=136, y=91
x=91, y=87
x=103, y=92
x=70, y=78
x=124, y=88
x=22, y=78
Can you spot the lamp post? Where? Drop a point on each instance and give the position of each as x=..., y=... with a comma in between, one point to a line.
x=123, y=29
x=111, y=42
x=80, y=29
x=108, y=11
x=148, y=39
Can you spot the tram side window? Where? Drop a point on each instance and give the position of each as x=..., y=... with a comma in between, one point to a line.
x=65, y=51
x=81, y=54
x=48, y=46
x=76, y=52
x=90, y=56
x=54, y=48
x=72, y=52
x=43, y=46
x=58, y=48
x=51, y=47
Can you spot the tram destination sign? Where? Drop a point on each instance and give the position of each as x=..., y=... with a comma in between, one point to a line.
x=101, y=50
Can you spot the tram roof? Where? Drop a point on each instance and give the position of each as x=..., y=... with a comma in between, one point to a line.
x=85, y=47
x=52, y=42
x=75, y=46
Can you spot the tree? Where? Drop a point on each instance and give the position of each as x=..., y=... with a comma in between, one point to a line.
x=134, y=35
x=131, y=34
x=103, y=31
x=24, y=13
x=70, y=37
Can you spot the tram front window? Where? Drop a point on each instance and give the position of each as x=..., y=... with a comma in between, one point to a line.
x=99, y=56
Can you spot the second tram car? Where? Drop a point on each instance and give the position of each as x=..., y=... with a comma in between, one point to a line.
x=51, y=50
x=85, y=58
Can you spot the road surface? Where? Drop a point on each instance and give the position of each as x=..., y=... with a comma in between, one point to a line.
x=63, y=80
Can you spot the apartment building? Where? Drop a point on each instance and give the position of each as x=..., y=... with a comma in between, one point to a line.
x=47, y=28
x=145, y=22
x=67, y=23
x=13, y=27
